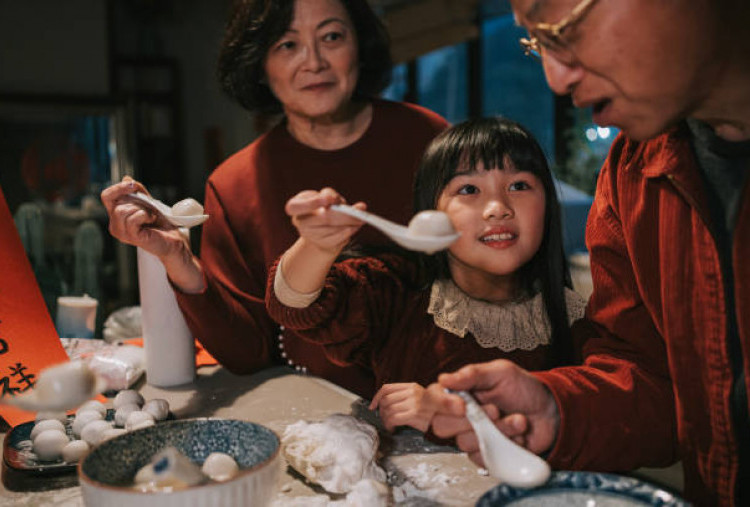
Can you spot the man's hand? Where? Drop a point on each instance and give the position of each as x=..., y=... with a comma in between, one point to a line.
x=526, y=409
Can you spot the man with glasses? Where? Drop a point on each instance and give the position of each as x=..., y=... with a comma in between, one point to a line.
x=666, y=338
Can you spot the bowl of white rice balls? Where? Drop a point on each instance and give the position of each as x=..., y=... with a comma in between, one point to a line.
x=185, y=463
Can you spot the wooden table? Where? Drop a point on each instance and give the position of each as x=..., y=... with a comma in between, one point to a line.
x=432, y=475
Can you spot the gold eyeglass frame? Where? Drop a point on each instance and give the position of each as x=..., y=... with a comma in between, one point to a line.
x=531, y=45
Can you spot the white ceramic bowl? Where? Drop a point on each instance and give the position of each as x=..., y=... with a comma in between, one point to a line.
x=106, y=473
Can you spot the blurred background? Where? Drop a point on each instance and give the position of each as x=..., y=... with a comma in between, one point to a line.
x=92, y=90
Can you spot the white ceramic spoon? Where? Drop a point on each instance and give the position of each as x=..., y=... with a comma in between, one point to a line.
x=176, y=219
x=428, y=231
x=60, y=387
x=504, y=459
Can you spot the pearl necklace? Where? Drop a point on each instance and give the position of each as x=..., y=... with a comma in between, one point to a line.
x=299, y=368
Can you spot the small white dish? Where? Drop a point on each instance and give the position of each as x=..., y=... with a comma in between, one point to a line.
x=414, y=237
x=168, y=213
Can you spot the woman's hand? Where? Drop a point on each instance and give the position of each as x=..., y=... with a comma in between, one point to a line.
x=526, y=410
x=404, y=405
x=133, y=223
x=317, y=224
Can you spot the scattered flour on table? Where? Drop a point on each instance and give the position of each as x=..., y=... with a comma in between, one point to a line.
x=424, y=480
x=365, y=493
x=336, y=453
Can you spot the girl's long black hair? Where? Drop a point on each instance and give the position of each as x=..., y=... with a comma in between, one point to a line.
x=489, y=142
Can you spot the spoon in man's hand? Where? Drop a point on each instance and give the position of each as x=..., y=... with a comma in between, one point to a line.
x=428, y=231
x=60, y=387
x=184, y=213
x=503, y=458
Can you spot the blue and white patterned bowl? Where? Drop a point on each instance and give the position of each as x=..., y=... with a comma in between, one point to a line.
x=583, y=489
x=106, y=474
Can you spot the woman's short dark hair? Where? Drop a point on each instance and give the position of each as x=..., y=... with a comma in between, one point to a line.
x=491, y=142
x=254, y=26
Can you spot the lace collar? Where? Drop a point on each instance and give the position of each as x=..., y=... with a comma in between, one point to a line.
x=516, y=325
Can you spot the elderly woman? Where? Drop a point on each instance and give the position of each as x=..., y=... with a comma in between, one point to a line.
x=321, y=63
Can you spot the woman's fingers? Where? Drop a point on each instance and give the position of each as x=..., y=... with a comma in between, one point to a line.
x=111, y=195
x=126, y=220
x=310, y=201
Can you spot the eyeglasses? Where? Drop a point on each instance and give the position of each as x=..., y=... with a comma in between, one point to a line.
x=548, y=37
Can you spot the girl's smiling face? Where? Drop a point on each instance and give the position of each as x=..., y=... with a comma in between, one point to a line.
x=500, y=214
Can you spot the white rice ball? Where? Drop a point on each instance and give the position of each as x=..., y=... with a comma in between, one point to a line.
x=127, y=396
x=93, y=432
x=122, y=413
x=83, y=418
x=112, y=433
x=45, y=415
x=136, y=419
x=47, y=424
x=74, y=451
x=158, y=408
x=220, y=467
x=95, y=405
x=48, y=444
x=143, y=424
x=187, y=207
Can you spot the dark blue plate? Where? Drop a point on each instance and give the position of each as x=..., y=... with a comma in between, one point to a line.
x=581, y=489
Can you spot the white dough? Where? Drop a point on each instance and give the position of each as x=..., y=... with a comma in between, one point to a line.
x=187, y=207
x=83, y=418
x=136, y=419
x=74, y=451
x=336, y=453
x=48, y=444
x=112, y=433
x=127, y=396
x=122, y=413
x=47, y=424
x=93, y=432
x=45, y=415
x=158, y=408
x=220, y=467
x=95, y=405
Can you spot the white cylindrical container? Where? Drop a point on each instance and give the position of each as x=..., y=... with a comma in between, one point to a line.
x=169, y=345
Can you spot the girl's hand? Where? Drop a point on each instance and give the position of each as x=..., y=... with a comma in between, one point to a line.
x=317, y=224
x=404, y=405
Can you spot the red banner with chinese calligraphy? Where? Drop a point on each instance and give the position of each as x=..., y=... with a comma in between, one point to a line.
x=28, y=339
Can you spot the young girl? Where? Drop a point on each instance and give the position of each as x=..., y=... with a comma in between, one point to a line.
x=500, y=291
